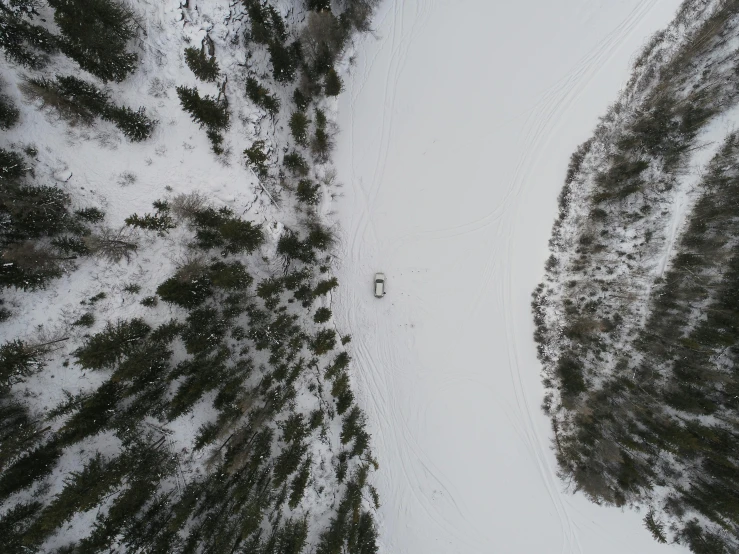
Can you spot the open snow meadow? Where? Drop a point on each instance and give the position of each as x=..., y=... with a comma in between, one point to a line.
x=456, y=128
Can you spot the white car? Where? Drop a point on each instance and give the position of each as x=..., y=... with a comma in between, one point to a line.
x=379, y=285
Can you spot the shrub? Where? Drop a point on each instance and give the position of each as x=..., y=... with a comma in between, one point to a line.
x=91, y=215
x=149, y=301
x=204, y=68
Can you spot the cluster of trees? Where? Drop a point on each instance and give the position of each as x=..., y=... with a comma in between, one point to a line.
x=641, y=402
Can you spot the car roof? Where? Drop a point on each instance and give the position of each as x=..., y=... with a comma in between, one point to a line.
x=379, y=275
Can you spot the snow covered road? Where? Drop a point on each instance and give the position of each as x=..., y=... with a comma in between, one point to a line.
x=456, y=129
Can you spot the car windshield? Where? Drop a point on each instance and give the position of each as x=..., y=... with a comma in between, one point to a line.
x=379, y=281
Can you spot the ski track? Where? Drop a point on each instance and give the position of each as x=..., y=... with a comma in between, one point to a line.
x=410, y=480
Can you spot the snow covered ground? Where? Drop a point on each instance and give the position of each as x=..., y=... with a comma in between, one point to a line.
x=456, y=128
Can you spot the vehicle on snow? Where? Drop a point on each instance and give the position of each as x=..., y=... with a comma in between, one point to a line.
x=379, y=285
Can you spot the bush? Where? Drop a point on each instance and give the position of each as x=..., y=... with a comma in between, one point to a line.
x=204, y=68
x=161, y=222
x=86, y=320
x=324, y=287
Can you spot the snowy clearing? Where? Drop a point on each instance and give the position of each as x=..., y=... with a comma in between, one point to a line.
x=456, y=128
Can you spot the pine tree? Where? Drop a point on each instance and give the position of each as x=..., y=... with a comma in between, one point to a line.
x=96, y=33
x=109, y=345
x=205, y=68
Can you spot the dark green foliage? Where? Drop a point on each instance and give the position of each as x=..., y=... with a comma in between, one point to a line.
x=134, y=124
x=86, y=320
x=230, y=276
x=324, y=287
x=241, y=236
x=571, y=373
x=96, y=33
x=186, y=289
x=204, y=331
x=257, y=158
x=284, y=61
x=308, y=192
x=90, y=215
x=161, y=221
x=207, y=111
x=290, y=247
x=205, y=68
x=319, y=5
x=31, y=467
x=299, y=482
x=15, y=523
x=266, y=23
x=8, y=113
x=23, y=42
x=18, y=360
x=322, y=315
x=110, y=345
x=332, y=84
x=80, y=101
x=262, y=97
x=83, y=490
x=296, y=164
x=301, y=101
x=11, y=164
x=323, y=342
x=299, y=127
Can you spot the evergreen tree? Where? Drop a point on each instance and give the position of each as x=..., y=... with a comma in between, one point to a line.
x=205, y=68
x=96, y=33
x=261, y=96
x=299, y=127
x=108, y=346
x=332, y=84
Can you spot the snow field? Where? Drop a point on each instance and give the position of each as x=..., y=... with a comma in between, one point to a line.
x=456, y=128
